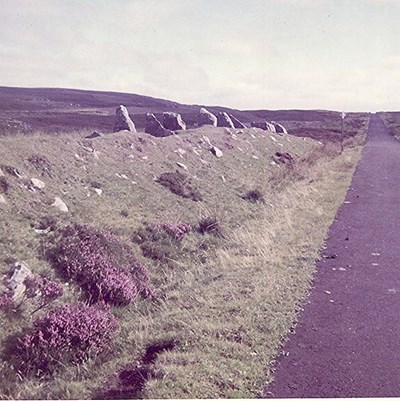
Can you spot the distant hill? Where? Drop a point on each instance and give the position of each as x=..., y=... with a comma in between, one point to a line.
x=53, y=110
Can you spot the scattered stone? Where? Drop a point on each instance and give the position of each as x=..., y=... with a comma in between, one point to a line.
x=223, y=120
x=181, y=152
x=173, y=121
x=255, y=157
x=283, y=158
x=60, y=205
x=279, y=128
x=223, y=178
x=181, y=165
x=79, y=157
x=206, y=118
x=273, y=138
x=1, y=173
x=36, y=183
x=154, y=127
x=236, y=122
x=123, y=121
x=239, y=132
x=2, y=199
x=253, y=136
x=12, y=171
x=15, y=283
x=94, y=134
x=216, y=151
x=98, y=191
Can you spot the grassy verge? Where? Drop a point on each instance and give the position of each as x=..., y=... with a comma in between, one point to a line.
x=392, y=122
x=225, y=299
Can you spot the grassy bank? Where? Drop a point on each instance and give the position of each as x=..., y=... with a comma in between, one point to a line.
x=392, y=121
x=225, y=297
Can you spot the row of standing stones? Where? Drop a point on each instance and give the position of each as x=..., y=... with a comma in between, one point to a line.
x=173, y=122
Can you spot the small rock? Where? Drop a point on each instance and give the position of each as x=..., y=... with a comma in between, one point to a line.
x=98, y=191
x=60, y=205
x=181, y=165
x=123, y=121
x=2, y=199
x=37, y=184
x=12, y=171
x=181, y=152
x=94, y=134
x=1, y=173
x=216, y=151
x=15, y=283
x=272, y=139
x=206, y=118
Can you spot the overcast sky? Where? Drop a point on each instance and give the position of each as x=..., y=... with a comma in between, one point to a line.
x=270, y=54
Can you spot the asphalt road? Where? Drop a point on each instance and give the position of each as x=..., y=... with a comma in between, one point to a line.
x=347, y=341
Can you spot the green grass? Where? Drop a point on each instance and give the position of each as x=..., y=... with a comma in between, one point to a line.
x=226, y=301
x=392, y=121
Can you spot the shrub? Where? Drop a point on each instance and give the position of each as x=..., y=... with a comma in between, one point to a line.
x=102, y=265
x=179, y=184
x=254, y=196
x=47, y=290
x=4, y=185
x=42, y=164
x=68, y=334
x=210, y=225
x=161, y=241
x=6, y=301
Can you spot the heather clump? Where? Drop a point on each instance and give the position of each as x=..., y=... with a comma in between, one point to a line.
x=4, y=185
x=68, y=334
x=254, y=196
x=104, y=267
x=163, y=241
x=45, y=289
x=210, y=225
x=42, y=164
x=180, y=184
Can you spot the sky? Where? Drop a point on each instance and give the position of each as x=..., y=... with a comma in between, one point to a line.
x=246, y=54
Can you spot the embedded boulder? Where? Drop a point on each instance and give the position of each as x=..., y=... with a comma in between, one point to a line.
x=173, y=121
x=264, y=125
x=35, y=183
x=154, y=127
x=237, y=123
x=216, y=151
x=279, y=128
x=207, y=118
x=123, y=121
x=223, y=120
x=16, y=280
x=60, y=205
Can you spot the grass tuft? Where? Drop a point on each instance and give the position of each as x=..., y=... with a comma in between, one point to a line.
x=180, y=184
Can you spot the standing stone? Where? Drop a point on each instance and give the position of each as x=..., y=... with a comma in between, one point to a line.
x=237, y=123
x=223, y=120
x=123, y=121
x=279, y=128
x=154, y=127
x=173, y=121
x=265, y=125
x=207, y=118
x=15, y=283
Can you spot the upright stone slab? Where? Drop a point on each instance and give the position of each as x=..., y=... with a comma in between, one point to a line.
x=154, y=127
x=207, y=118
x=123, y=121
x=173, y=121
x=237, y=123
x=223, y=120
x=279, y=128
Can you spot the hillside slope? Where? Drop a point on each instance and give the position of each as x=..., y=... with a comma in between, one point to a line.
x=225, y=293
